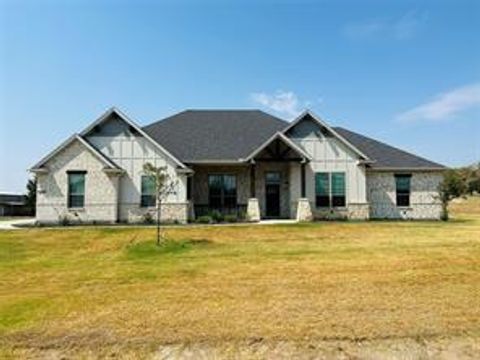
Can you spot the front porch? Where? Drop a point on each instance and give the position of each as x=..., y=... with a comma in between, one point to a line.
x=266, y=185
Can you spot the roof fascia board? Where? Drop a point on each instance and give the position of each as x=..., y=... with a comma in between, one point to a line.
x=97, y=153
x=38, y=166
x=130, y=122
x=215, y=161
x=324, y=124
x=285, y=139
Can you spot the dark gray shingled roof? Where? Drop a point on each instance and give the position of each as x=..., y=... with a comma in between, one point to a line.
x=202, y=135
x=229, y=135
x=385, y=156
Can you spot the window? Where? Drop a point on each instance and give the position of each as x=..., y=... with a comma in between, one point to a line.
x=148, y=197
x=272, y=177
x=402, y=184
x=322, y=190
x=338, y=189
x=76, y=189
x=330, y=189
x=222, y=191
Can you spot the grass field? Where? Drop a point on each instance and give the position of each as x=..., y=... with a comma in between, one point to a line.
x=248, y=290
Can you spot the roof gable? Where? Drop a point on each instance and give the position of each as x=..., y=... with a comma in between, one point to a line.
x=133, y=128
x=279, y=136
x=39, y=167
x=326, y=130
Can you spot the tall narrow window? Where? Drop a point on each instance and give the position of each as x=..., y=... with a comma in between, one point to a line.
x=322, y=190
x=76, y=189
x=338, y=189
x=402, y=184
x=222, y=191
x=148, y=197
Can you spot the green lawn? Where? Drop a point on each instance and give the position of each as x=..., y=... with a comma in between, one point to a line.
x=90, y=290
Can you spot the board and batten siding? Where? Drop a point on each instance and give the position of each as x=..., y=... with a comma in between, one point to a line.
x=131, y=151
x=328, y=155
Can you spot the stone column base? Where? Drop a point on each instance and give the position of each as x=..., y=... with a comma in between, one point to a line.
x=253, y=210
x=304, y=210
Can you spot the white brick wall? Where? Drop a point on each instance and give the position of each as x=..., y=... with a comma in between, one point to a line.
x=100, y=188
x=423, y=202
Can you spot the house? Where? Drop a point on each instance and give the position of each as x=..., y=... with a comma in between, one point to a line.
x=234, y=161
x=14, y=205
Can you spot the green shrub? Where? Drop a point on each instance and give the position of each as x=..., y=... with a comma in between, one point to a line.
x=216, y=216
x=242, y=215
x=147, y=218
x=64, y=220
x=205, y=219
x=231, y=218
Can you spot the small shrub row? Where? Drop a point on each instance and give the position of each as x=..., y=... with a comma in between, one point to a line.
x=216, y=217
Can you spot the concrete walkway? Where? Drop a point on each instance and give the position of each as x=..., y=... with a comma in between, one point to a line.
x=14, y=224
x=277, y=221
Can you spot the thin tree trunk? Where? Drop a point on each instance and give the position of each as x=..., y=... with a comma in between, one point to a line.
x=158, y=222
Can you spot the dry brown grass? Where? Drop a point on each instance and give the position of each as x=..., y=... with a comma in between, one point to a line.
x=95, y=289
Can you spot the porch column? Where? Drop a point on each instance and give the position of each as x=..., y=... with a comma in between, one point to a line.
x=304, y=210
x=253, y=208
x=191, y=207
x=303, y=179
x=252, y=180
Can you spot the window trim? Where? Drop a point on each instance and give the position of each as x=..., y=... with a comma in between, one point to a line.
x=330, y=195
x=142, y=195
x=69, y=194
x=403, y=194
x=222, y=193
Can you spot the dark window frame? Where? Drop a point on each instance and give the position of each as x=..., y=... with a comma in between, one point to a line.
x=146, y=199
x=339, y=199
x=332, y=198
x=402, y=196
x=322, y=200
x=71, y=203
x=222, y=199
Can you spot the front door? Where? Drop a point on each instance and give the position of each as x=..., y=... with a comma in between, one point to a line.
x=272, y=194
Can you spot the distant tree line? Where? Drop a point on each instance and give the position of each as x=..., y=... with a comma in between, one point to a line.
x=457, y=183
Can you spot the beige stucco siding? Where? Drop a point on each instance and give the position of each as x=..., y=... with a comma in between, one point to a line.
x=100, y=188
x=424, y=203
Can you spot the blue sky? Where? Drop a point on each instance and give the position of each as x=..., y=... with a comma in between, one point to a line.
x=405, y=72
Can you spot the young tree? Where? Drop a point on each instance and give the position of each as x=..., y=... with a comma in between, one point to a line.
x=164, y=186
x=451, y=187
x=32, y=194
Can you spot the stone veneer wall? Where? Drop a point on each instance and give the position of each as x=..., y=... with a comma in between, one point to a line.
x=351, y=211
x=423, y=204
x=101, y=189
x=169, y=213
